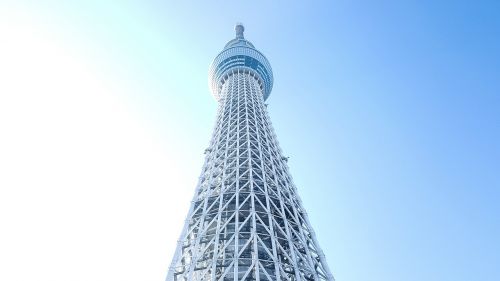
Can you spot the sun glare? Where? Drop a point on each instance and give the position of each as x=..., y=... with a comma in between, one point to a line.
x=80, y=174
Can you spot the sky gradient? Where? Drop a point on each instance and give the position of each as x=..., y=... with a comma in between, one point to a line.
x=389, y=111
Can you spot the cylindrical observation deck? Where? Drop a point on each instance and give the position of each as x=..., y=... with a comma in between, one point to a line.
x=240, y=54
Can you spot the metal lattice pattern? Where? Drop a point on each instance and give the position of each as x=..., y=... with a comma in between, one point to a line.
x=246, y=220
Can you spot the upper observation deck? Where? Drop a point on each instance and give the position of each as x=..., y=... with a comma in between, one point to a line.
x=240, y=54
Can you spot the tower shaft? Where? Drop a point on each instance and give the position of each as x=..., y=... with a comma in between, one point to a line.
x=246, y=221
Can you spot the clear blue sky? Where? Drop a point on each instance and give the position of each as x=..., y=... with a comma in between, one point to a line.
x=389, y=111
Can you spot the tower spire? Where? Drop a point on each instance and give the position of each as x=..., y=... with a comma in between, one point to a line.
x=239, y=28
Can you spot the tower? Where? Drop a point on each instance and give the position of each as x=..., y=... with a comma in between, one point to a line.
x=246, y=221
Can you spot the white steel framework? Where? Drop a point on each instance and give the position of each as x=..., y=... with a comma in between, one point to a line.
x=246, y=221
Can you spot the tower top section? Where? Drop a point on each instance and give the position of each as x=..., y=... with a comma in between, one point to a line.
x=239, y=28
x=240, y=54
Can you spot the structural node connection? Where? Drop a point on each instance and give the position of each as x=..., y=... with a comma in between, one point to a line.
x=246, y=221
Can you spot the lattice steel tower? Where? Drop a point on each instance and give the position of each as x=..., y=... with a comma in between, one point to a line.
x=246, y=221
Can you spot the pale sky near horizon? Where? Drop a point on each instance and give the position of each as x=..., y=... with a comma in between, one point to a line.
x=389, y=111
